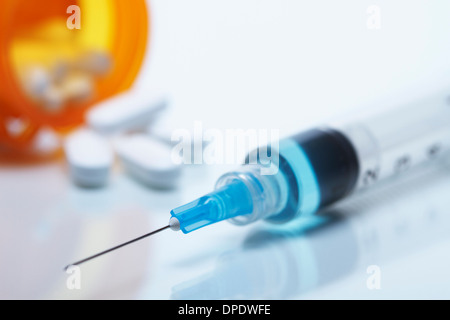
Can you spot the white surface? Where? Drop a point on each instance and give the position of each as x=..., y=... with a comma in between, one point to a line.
x=244, y=64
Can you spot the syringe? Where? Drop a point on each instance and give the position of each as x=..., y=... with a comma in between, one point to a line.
x=323, y=165
x=318, y=167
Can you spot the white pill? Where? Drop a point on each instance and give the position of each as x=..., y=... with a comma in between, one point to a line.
x=77, y=88
x=90, y=158
x=15, y=126
x=59, y=70
x=46, y=142
x=148, y=160
x=52, y=99
x=36, y=80
x=97, y=63
x=126, y=112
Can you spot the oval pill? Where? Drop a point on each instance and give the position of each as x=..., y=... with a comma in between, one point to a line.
x=126, y=112
x=148, y=160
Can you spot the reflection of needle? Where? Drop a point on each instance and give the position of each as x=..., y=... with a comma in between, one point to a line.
x=116, y=247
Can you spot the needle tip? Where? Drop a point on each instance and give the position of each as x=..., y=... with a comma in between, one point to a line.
x=116, y=247
x=67, y=267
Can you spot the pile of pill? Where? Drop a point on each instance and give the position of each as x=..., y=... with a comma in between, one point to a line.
x=118, y=128
x=65, y=81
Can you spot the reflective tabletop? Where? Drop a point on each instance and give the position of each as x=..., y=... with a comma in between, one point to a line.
x=389, y=242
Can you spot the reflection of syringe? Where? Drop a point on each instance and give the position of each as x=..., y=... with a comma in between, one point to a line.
x=321, y=166
x=289, y=261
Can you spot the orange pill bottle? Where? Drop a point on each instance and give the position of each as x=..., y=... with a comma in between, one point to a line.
x=40, y=33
